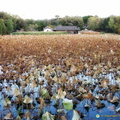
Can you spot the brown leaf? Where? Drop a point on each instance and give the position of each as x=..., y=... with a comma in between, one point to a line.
x=61, y=94
x=87, y=96
x=8, y=88
x=63, y=118
x=16, y=92
x=27, y=100
x=104, y=83
x=114, y=100
x=28, y=115
x=9, y=116
x=33, y=84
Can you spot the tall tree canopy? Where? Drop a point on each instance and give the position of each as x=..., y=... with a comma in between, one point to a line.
x=9, y=26
x=93, y=23
x=11, y=23
x=2, y=27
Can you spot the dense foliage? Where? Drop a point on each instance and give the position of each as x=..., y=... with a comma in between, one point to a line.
x=12, y=23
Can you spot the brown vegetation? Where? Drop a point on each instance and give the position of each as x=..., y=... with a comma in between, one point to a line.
x=51, y=67
x=80, y=51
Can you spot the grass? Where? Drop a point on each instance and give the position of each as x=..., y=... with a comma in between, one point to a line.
x=39, y=33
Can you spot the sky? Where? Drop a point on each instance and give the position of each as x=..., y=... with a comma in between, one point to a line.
x=47, y=9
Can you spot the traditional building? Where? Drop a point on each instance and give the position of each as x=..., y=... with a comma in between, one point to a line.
x=69, y=29
x=48, y=29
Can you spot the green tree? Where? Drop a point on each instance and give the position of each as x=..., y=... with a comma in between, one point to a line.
x=2, y=27
x=32, y=27
x=56, y=20
x=9, y=26
x=104, y=25
x=20, y=24
x=5, y=16
x=85, y=19
x=93, y=23
x=72, y=21
x=117, y=24
x=42, y=24
x=114, y=24
x=79, y=22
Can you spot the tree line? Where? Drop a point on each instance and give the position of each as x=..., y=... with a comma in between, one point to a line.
x=12, y=23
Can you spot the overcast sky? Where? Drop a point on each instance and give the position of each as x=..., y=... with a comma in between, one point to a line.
x=47, y=9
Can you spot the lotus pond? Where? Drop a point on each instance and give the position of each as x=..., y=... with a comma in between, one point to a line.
x=60, y=77
x=39, y=94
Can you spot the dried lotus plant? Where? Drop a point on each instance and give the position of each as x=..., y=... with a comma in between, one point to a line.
x=27, y=100
x=28, y=115
x=63, y=80
x=99, y=104
x=82, y=90
x=9, y=89
x=9, y=116
x=115, y=100
x=67, y=62
x=55, y=79
x=87, y=96
x=6, y=102
x=47, y=116
x=118, y=80
x=73, y=70
x=75, y=81
x=109, y=96
x=44, y=93
x=76, y=116
x=64, y=50
x=63, y=118
x=52, y=69
x=42, y=104
x=105, y=83
x=16, y=92
x=33, y=84
x=18, y=118
x=61, y=94
x=19, y=99
x=68, y=104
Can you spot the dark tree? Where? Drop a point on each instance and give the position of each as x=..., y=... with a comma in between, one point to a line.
x=2, y=27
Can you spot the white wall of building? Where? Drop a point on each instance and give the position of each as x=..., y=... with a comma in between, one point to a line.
x=47, y=30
